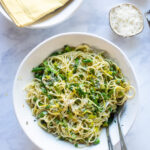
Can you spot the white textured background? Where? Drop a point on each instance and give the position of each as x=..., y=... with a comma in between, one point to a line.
x=91, y=17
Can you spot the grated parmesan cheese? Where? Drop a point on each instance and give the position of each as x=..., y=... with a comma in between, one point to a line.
x=126, y=20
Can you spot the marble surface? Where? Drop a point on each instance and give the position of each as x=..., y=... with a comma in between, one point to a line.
x=91, y=17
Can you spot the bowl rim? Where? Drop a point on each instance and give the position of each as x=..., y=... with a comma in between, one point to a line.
x=32, y=26
x=134, y=6
x=66, y=34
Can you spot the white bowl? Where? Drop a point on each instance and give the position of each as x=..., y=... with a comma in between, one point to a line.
x=54, y=18
x=37, y=135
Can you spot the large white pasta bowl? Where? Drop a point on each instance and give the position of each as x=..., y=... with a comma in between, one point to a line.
x=24, y=75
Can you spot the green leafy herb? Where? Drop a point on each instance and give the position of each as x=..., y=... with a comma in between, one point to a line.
x=74, y=136
x=76, y=65
x=118, y=82
x=77, y=61
x=111, y=68
x=57, y=120
x=76, y=145
x=114, y=73
x=92, y=71
x=44, y=90
x=63, y=77
x=50, y=83
x=67, y=48
x=110, y=109
x=37, y=69
x=80, y=92
x=56, y=53
x=61, y=138
x=81, y=76
x=123, y=80
x=49, y=97
x=47, y=107
x=110, y=92
x=100, y=109
x=105, y=96
x=94, y=98
x=71, y=86
x=105, y=124
x=52, y=70
x=45, y=63
x=97, y=141
x=35, y=99
x=40, y=104
x=38, y=76
x=63, y=123
x=87, y=61
x=42, y=114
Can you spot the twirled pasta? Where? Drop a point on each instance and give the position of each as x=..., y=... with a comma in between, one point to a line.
x=74, y=91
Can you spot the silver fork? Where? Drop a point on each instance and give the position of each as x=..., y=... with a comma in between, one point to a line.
x=119, y=113
x=122, y=141
x=147, y=15
x=110, y=145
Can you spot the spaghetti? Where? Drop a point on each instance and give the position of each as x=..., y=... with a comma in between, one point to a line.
x=74, y=92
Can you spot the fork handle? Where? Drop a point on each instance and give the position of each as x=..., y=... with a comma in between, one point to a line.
x=110, y=146
x=122, y=141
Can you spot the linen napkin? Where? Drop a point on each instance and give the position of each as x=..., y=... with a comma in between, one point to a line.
x=26, y=12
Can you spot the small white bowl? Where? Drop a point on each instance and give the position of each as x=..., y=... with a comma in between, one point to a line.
x=54, y=18
x=37, y=135
x=131, y=5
